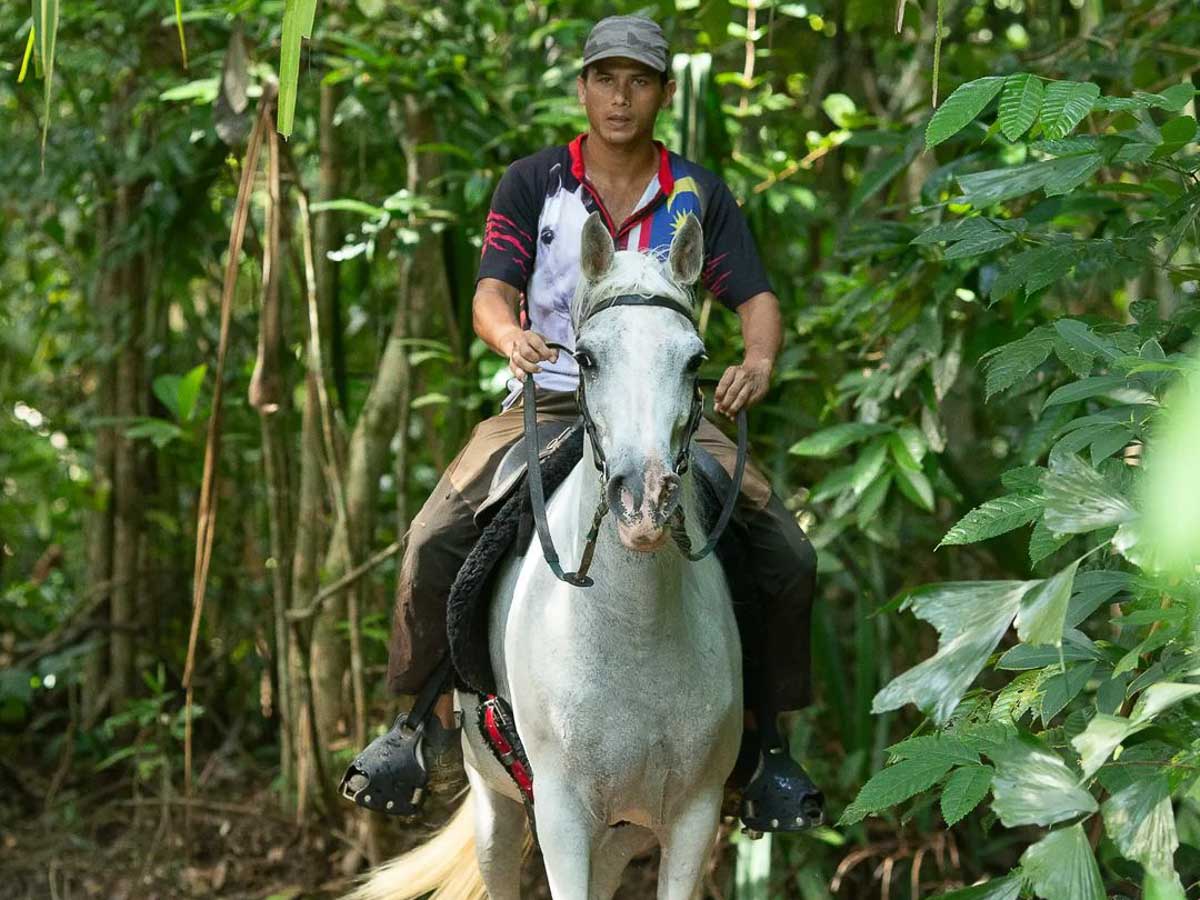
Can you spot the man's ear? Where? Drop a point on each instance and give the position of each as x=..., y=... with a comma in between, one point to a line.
x=596, y=252
x=686, y=257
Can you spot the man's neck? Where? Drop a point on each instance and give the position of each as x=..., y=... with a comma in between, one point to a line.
x=620, y=164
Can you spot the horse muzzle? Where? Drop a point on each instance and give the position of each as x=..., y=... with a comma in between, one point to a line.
x=642, y=499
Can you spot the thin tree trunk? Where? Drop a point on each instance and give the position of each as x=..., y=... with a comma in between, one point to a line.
x=271, y=401
x=100, y=521
x=126, y=489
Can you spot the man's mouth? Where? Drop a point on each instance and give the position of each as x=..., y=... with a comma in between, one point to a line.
x=620, y=120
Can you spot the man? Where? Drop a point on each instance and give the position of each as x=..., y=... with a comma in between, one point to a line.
x=532, y=246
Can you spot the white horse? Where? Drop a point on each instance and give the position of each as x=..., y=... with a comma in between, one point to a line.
x=627, y=695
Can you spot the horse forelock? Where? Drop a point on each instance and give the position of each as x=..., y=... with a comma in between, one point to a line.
x=643, y=273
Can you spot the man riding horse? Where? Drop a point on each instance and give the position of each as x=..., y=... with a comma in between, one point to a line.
x=531, y=246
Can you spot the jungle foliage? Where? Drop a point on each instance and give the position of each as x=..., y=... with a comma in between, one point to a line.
x=983, y=414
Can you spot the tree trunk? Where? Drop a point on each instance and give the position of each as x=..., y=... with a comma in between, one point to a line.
x=126, y=489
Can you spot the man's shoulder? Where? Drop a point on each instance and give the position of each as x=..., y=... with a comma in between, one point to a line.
x=541, y=161
x=690, y=175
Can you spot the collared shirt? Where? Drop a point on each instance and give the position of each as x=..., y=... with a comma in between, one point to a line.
x=533, y=233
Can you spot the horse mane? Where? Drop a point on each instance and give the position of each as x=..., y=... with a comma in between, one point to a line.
x=645, y=274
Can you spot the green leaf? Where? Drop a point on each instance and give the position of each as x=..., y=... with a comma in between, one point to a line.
x=1034, y=269
x=1078, y=361
x=1019, y=104
x=189, y=391
x=830, y=440
x=868, y=465
x=1158, y=887
x=915, y=486
x=895, y=784
x=1176, y=134
x=1141, y=823
x=1044, y=543
x=980, y=244
x=995, y=517
x=1079, y=499
x=1044, y=609
x=1080, y=336
x=1097, y=742
x=1064, y=687
x=957, y=230
x=298, y=18
x=1159, y=697
x=949, y=746
x=964, y=790
x=1012, y=362
x=961, y=107
x=970, y=618
x=1033, y=786
x=1061, y=866
x=1065, y=174
x=1007, y=888
x=45, y=30
x=1064, y=106
x=1087, y=388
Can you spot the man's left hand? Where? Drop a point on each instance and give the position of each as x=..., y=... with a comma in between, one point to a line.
x=742, y=386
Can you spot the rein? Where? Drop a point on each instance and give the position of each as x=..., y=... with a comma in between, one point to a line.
x=537, y=493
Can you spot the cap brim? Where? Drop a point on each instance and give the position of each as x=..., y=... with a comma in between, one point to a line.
x=624, y=53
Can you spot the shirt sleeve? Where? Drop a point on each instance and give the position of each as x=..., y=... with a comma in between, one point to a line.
x=509, y=233
x=732, y=270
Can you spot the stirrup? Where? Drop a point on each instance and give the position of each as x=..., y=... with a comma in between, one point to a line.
x=390, y=775
x=780, y=796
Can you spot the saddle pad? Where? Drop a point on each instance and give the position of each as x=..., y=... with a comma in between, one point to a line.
x=467, y=608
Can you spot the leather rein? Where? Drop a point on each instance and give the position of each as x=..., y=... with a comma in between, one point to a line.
x=537, y=493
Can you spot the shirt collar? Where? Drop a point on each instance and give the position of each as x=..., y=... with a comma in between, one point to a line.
x=666, y=180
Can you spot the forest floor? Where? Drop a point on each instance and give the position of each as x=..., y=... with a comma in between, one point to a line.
x=105, y=843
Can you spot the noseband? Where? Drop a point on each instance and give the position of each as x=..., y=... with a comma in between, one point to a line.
x=534, y=472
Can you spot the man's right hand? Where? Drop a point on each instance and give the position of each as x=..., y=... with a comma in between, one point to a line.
x=525, y=350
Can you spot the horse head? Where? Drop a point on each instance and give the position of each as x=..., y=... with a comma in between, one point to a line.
x=639, y=354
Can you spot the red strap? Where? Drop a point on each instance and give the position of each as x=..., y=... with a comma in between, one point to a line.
x=515, y=767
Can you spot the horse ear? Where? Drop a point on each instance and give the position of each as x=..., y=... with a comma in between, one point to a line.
x=686, y=258
x=596, y=254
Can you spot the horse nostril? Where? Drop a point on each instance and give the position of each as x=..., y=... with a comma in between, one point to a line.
x=621, y=499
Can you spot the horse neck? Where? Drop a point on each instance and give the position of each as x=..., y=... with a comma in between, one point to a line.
x=640, y=590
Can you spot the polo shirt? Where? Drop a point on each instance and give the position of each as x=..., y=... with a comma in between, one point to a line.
x=534, y=229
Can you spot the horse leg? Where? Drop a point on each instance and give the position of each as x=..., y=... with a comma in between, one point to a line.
x=686, y=843
x=614, y=850
x=499, y=838
x=566, y=831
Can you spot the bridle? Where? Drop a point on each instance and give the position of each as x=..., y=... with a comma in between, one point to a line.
x=533, y=452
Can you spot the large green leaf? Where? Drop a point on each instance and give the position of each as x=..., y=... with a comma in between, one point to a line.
x=1064, y=106
x=1094, y=386
x=1033, y=786
x=1079, y=499
x=1019, y=104
x=995, y=517
x=1044, y=608
x=1034, y=269
x=298, y=18
x=1010, y=363
x=1097, y=742
x=830, y=440
x=1061, y=866
x=1159, y=697
x=964, y=790
x=895, y=784
x=970, y=618
x=961, y=107
x=1141, y=823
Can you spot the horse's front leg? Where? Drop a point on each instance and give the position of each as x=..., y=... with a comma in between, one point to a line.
x=686, y=842
x=567, y=832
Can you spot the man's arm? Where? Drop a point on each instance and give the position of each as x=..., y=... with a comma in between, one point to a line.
x=762, y=331
x=494, y=318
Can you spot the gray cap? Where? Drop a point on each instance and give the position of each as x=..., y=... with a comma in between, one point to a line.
x=634, y=37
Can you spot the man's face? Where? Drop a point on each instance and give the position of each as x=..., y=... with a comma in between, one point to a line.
x=622, y=98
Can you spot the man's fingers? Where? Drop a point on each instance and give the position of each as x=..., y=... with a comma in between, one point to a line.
x=740, y=398
x=725, y=383
x=538, y=345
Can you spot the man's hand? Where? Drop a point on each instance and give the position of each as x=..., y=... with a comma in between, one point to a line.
x=742, y=386
x=525, y=350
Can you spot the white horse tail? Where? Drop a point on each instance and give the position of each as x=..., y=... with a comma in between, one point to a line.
x=444, y=865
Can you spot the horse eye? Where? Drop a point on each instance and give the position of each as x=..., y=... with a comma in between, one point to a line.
x=696, y=361
x=584, y=359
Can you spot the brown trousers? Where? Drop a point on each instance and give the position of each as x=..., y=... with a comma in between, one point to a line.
x=775, y=633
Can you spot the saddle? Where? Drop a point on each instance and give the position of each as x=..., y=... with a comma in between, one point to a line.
x=506, y=517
